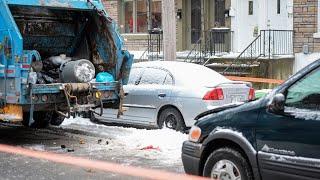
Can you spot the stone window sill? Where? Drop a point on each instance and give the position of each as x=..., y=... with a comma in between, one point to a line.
x=316, y=35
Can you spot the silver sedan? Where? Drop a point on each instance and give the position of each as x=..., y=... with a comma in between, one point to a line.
x=173, y=93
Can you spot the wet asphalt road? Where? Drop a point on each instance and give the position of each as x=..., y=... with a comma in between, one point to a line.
x=74, y=140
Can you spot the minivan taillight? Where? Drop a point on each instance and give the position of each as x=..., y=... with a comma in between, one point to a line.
x=251, y=94
x=214, y=94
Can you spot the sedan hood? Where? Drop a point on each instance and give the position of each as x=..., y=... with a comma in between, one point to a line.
x=219, y=109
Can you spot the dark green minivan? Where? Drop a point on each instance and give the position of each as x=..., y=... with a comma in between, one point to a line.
x=276, y=137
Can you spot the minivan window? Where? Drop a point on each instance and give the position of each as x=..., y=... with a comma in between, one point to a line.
x=305, y=93
x=153, y=76
x=135, y=74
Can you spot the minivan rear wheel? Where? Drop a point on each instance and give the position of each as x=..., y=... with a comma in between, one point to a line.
x=172, y=119
x=227, y=164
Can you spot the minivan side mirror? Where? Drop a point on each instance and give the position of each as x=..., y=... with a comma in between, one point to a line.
x=277, y=103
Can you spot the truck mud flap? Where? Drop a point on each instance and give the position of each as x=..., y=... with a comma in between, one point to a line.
x=11, y=113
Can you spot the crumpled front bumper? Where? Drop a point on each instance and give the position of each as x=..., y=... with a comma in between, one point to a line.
x=191, y=153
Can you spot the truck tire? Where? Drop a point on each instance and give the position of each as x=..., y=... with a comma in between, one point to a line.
x=227, y=163
x=93, y=118
x=41, y=119
x=56, y=119
x=172, y=119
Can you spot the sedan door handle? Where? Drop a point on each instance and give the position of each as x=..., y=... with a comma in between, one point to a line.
x=126, y=94
x=162, y=95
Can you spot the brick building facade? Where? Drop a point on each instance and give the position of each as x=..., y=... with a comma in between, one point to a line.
x=305, y=24
x=306, y=32
x=112, y=7
x=133, y=42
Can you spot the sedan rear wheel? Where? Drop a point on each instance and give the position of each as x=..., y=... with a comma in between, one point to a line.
x=172, y=119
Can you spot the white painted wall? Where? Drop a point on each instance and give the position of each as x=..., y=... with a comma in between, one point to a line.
x=284, y=20
x=264, y=17
x=302, y=60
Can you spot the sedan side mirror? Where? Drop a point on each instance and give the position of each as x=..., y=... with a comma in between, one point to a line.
x=277, y=104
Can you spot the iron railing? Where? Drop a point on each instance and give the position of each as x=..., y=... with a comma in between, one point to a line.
x=211, y=43
x=155, y=45
x=219, y=41
x=268, y=44
x=197, y=53
x=251, y=53
x=277, y=42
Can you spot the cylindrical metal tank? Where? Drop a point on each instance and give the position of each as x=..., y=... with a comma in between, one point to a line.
x=79, y=71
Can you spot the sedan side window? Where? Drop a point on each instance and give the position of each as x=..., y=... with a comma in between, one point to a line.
x=168, y=80
x=135, y=74
x=305, y=94
x=153, y=76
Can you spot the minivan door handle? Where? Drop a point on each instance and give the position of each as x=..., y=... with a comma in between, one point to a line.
x=162, y=95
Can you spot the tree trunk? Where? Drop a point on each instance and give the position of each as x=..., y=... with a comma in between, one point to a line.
x=169, y=30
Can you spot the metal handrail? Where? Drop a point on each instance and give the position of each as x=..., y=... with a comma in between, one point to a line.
x=140, y=59
x=193, y=49
x=268, y=43
x=243, y=52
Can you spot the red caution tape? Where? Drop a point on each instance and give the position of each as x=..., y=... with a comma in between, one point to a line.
x=98, y=165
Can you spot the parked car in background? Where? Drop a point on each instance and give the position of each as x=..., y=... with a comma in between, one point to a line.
x=174, y=93
x=275, y=137
x=261, y=93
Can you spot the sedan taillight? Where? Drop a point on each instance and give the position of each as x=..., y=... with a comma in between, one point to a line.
x=214, y=94
x=251, y=94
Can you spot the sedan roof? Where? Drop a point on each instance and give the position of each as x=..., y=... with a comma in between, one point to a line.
x=187, y=73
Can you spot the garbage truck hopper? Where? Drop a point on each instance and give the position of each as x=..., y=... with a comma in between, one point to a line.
x=50, y=54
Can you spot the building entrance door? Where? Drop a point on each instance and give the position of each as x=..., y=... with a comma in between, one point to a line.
x=219, y=8
x=195, y=21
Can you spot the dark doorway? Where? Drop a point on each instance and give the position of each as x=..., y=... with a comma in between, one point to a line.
x=219, y=11
x=195, y=21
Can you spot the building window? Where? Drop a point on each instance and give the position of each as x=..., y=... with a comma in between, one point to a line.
x=195, y=21
x=250, y=7
x=219, y=12
x=278, y=7
x=128, y=14
x=134, y=15
x=156, y=14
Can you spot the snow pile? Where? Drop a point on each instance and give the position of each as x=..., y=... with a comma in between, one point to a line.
x=77, y=120
x=164, y=141
x=164, y=144
x=36, y=147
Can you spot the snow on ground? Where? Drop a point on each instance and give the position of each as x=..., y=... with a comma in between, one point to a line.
x=164, y=144
x=77, y=120
x=138, y=54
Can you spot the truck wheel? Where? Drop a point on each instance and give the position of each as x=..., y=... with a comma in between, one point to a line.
x=227, y=163
x=172, y=119
x=93, y=118
x=56, y=119
x=41, y=119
